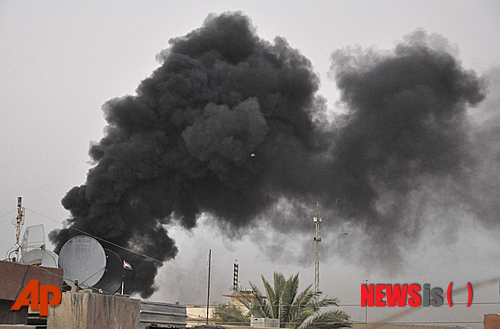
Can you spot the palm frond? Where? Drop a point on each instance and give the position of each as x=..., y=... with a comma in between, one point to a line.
x=328, y=320
x=230, y=314
x=305, y=298
x=271, y=299
x=279, y=287
x=287, y=298
x=327, y=301
x=259, y=306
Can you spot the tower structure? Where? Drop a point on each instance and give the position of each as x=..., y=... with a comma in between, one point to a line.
x=317, y=240
x=236, y=287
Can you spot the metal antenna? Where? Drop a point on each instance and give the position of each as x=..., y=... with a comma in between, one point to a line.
x=317, y=239
x=236, y=276
x=19, y=224
x=209, y=262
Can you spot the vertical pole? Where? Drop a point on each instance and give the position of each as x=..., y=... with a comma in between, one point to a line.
x=317, y=238
x=209, y=260
x=19, y=222
x=366, y=307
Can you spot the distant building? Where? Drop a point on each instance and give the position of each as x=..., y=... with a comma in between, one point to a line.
x=197, y=315
x=247, y=294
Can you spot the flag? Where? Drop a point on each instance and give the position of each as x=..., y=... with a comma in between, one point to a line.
x=127, y=266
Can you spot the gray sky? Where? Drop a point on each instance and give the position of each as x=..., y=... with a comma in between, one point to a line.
x=60, y=61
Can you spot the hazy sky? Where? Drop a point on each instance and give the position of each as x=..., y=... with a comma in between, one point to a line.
x=60, y=61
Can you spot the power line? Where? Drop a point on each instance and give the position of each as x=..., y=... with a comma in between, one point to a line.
x=126, y=249
x=7, y=213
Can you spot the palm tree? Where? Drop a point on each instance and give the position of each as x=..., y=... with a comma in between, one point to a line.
x=231, y=315
x=294, y=309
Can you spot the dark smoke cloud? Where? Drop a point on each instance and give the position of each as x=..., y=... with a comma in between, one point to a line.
x=403, y=150
x=406, y=124
x=203, y=135
x=230, y=126
x=483, y=190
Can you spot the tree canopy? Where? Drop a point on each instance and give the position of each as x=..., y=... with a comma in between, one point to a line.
x=283, y=301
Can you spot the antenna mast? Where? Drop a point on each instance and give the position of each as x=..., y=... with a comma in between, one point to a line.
x=19, y=224
x=317, y=239
x=209, y=261
x=236, y=287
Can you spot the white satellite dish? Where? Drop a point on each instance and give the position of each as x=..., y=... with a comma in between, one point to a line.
x=40, y=257
x=83, y=259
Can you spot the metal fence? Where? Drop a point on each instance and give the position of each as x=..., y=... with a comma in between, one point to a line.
x=162, y=315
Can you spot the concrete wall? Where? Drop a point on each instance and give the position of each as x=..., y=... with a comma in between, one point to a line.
x=491, y=321
x=12, y=317
x=85, y=310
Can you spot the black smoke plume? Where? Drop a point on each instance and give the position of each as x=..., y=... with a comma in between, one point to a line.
x=405, y=128
x=231, y=124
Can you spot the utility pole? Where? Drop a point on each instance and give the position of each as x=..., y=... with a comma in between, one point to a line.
x=209, y=261
x=317, y=239
x=19, y=223
x=366, y=307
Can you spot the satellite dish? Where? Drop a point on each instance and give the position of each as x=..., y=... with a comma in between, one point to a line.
x=83, y=259
x=113, y=276
x=41, y=257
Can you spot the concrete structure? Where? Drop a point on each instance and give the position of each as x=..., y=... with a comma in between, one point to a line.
x=491, y=321
x=14, y=278
x=85, y=310
x=265, y=323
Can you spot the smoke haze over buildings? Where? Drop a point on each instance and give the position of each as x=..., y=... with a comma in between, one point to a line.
x=232, y=126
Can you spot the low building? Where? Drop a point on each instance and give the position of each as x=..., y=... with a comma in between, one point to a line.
x=197, y=315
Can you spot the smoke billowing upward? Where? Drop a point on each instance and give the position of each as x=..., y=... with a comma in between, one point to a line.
x=230, y=124
x=406, y=122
